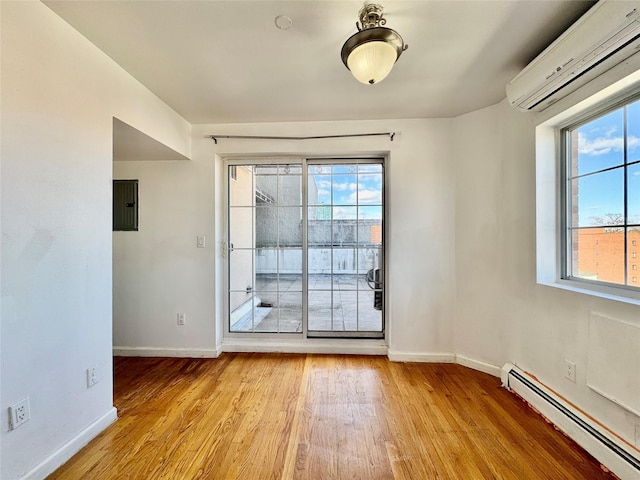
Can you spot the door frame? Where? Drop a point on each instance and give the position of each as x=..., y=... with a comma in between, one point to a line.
x=304, y=160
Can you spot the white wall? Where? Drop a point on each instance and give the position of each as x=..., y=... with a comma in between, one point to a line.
x=502, y=314
x=168, y=272
x=158, y=271
x=59, y=96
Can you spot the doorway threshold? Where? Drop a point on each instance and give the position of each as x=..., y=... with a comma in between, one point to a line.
x=316, y=345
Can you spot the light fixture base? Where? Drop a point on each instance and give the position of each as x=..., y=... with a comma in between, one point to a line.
x=371, y=16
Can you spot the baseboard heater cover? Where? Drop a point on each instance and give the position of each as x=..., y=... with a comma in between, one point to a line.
x=612, y=452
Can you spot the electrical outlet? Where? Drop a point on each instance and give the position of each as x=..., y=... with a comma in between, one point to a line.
x=19, y=413
x=92, y=376
x=201, y=241
x=182, y=318
x=570, y=370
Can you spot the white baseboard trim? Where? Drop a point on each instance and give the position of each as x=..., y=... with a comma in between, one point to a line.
x=622, y=459
x=321, y=346
x=422, y=357
x=166, y=352
x=478, y=365
x=68, y=450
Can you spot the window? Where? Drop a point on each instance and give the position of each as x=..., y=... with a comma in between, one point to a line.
x=602, y=195
x=233, y=171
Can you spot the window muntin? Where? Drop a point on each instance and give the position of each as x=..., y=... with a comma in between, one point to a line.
x=602, y=197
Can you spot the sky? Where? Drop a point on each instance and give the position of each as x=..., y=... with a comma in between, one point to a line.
x=353, y=189
x=601, y=146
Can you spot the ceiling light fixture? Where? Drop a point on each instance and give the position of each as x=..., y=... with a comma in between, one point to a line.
x=371, y=53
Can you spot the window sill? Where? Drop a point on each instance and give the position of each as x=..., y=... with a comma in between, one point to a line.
x=600, y=291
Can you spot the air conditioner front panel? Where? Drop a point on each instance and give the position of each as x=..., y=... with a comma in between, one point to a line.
x=606, y=35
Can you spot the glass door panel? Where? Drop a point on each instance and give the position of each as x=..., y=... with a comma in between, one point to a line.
x=305, y=254
x=344, y=231
x=265, y=248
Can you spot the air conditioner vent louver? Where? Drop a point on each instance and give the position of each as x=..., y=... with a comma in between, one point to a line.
x=574, y=58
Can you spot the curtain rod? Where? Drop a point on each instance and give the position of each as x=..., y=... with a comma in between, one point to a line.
x=267, y=137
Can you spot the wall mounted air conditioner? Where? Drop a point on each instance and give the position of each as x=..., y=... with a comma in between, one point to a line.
x=603, y=37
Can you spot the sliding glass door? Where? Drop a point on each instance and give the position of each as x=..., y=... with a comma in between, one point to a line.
x=305, y=248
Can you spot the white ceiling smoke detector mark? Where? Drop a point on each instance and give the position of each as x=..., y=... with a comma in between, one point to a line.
x=283, y=22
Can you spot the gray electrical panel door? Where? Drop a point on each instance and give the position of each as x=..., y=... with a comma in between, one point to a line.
x=125, y=205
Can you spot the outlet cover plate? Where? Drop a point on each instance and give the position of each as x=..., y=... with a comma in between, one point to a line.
x=19, y=413
x=570, y=370
x=92, y=376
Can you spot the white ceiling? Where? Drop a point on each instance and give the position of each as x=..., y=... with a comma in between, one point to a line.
x=130, y=144
x=226, y=62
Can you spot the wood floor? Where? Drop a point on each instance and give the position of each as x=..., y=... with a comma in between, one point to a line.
x=277, y=416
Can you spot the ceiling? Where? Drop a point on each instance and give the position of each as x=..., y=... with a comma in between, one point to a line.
x=130, y=144
x=227, y=62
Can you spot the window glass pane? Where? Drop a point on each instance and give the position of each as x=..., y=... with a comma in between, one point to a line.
x=266, y=224
x=319, y=264
x=320, y=310
x=266, y=262
x=370, y=189
x=319, y=226
x=340, y=169
x=598, y=144
x=289, y=186
x=266, y=184
x=600, y=199
x=370, y=168
x=241, y=270
x=241, y=307
x=289, y=264
x=241, y=227
x=344, y=269
x=369, y=317
x=633, y=194
x=344, y=226
x=290, y=312
x=241, y=191
x=319, y=187
x=290, y=227
x=368, y=259
x=598, y=254
x=293, y=169
x=633, y=258
x=345, y=313
x=633, y=132
x=265, y=312
x=370, y=226
x=344, y=189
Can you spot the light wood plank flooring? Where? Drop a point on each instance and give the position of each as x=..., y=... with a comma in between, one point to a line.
x=277, y=416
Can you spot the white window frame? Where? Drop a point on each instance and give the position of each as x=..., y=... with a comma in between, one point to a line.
x=550, y=162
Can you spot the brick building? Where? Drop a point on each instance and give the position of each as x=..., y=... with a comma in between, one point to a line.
x=601, y=255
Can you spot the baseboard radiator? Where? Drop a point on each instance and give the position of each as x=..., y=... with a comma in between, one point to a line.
x=612, y=452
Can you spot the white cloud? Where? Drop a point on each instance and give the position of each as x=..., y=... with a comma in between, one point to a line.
x=604, y=145
x=366, y=197
x=374, y=178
